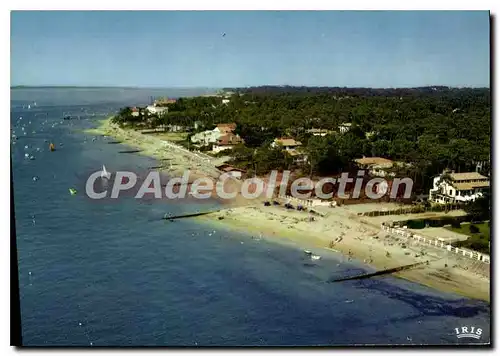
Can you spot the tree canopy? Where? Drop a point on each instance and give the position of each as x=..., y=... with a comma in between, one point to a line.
x=432, y=128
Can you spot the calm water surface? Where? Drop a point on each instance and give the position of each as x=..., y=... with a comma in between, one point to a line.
x=113, y=273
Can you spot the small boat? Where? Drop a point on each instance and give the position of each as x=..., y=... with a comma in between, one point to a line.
x=315, y=257
x=52, y=147
x=349, y=301
x=72, y=191
x=307, y=252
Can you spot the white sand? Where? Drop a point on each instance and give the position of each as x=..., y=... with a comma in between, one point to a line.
x=363, y=240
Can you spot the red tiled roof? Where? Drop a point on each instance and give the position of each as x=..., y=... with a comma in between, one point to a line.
x=227, y=127
x=229, y=139
x=165, y=101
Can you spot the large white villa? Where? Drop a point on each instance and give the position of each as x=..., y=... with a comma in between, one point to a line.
x=451, y=187
x=214, y=136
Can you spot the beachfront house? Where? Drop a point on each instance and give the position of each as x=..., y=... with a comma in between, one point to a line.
x=212, y=136
x=376, y=166
x=344, y=127
x=135, y=111
x=205, y=137
x=158, y=110
x=292, y=147
x=286, y=143
x=451, y=187
x=225, y=101
x=225, y=128
x=227, y=142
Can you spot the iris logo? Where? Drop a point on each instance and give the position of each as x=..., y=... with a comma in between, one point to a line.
x=468, y=332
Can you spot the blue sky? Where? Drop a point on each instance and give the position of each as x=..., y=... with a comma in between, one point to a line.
x=187, y=49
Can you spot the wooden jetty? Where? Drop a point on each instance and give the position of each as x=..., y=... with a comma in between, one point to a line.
x=176, y=217
x=130, y=151
x=379, y=273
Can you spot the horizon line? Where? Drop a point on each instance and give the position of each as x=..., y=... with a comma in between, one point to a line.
x=43, y=86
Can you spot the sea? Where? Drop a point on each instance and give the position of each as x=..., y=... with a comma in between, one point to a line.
x=114, y=273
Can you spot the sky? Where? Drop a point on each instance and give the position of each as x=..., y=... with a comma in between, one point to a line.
x=188, y=49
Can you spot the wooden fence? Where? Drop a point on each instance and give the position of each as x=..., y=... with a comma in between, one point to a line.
x=474, y=255
x=412, y=210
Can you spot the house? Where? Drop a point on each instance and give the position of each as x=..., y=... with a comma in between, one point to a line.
x=158, y=110
x=164, y=102
x=227, y=142
x=212, y=136
x=286, y=143
x=135, y=111
x=344, y=127
x=318, y=132
x=297, y=155
x=205, y=137
x=451, y=187
x=225, y=128
x=225, y=101
x=376, y=166
x=292, y=147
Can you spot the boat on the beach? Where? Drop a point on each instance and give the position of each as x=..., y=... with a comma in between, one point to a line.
x=307, y=252
x=315, y=257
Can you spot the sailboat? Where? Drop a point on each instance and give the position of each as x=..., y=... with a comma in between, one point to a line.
x=105, y=173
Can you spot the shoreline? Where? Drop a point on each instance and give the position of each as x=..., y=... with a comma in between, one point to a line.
x=366, y=247
x=359, y=239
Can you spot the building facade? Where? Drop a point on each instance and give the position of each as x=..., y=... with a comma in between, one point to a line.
x=376, y=166
x=213, y=136
x=227, y=142
x=458, y=187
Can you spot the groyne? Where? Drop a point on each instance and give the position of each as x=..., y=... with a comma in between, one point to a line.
x=183, y=216
x=379, y=273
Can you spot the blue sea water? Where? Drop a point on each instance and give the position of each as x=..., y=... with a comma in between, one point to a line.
x=114, y=274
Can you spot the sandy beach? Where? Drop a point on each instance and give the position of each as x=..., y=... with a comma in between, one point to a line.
x=174, y=159
x=340, y=229
x=361, y=240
